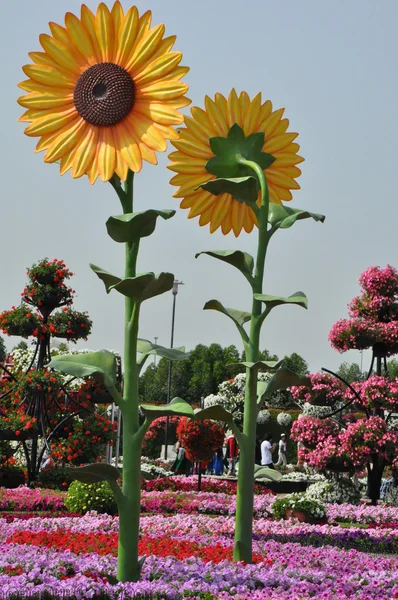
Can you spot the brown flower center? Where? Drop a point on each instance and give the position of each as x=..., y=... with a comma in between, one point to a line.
x=104, y=94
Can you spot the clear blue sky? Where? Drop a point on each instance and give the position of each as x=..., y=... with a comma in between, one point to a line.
x=332, y=65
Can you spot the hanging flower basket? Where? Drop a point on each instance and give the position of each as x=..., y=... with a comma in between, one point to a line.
x=18, y=436
x=94, y=392
x=48, y=272
x=20, y=321
x=47, y=297
x=70, y=324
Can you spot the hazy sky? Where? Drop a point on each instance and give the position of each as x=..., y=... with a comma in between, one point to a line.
x=332, y=65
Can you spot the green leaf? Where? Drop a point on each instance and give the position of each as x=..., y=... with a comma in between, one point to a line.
x=282, y=379
x=159, y=285
x=268, y=474
x=242, y=261
x=133, y=226
x=238, y=316
x=243, y=189
x=216, y=413
x=260, y=365
x=101, y=365
x=227, y=151
x=147, y=475
x=283, y=217
x=177, y=406
x=108, y=279
x=298, y=298
x=146, y=347
x=94, y=473
x=134, y=287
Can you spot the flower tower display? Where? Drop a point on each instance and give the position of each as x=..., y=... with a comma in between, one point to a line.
x=33, y=405
x=236, y=164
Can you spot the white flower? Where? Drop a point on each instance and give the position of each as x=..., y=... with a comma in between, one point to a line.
x=284, y=419
x=263, y=416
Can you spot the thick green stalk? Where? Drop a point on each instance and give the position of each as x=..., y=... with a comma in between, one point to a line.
x=128, y=568
x=245, y=491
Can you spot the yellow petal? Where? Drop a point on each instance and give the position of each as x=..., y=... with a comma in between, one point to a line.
x=189, y=184
x=66, y=139
x=203, y=202
x=127, y=36
x=158, y=68
x=128, y=147
x=163, y=90
x=289, y=171
x=201, y=124
x=51, y=121
x=80, y=38
x=280, y=179
x=188, y=201
x=282, y=193
x=278, y=142
x=192, y=149
x=85, y=153
x=121, y=167
x=191, y=167
x=88, y=21
x=287, y=159
x=226, y=225
x=222, y=206
x=237, y=215
x=46, y=141
x=234, y=108
x=106, y=155
x=146, y=132
x=197, y=131
x=269, y=124
x=244, y=103
x=59, y=52
x=222, y=104
x=66, y=162
x=49, y=76
x=281, y=127
x=205, y=217
x=159, y=113
x=105, y=33
x=167, y=132
x=248, y=222
x=144, y=25
x=216, y=117
x=51, y=98
x=117, y=17
x=145, y=48
x=41, y=58
x=252, y=115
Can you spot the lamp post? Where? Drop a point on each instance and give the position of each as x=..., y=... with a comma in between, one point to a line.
x=154, y=356
x=173, y=314
x=202, y=404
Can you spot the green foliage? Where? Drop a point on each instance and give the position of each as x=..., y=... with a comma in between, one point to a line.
x=83, y=497
x=56, y=478
x=313, y=509
x=94, y=473
x=296, y=363
x=3, y=349
x=393, y=368
x=351, y=372
x=22, y=345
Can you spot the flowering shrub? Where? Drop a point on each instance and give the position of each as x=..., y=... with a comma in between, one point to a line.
x=47, y=297
x=298, y=502
x=27, y=499
x=325, y=390
x=367, y=437
x=190, y=484
x=21, y=321
x=200, y=439
x=264, y=416
x=284, y=419
x=335, y=491
x=155, y=436
x=48, y=382
x=83, y=497
x=92, y=391
x=374, y=315
x=375, y=393
x=310, y=431
x=70, y=324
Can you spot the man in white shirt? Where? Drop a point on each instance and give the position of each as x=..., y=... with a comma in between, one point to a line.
x=282, y=460
x=266, y=452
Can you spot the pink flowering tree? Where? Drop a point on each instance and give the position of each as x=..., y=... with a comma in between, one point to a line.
x=364, y=434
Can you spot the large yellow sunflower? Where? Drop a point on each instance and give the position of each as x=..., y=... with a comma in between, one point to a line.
x=194, y=151
x=105, y=93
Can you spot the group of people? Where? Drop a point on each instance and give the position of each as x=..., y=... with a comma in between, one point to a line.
x=228, y=460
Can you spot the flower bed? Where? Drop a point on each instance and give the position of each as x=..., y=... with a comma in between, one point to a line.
x=26, y=499
x=74, y=557
x=190, y=484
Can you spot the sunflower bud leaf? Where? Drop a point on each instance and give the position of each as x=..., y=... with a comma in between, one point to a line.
x=133, y=226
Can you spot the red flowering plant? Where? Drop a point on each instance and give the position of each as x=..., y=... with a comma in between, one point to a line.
x=310, y=431
x=49, y=272
x=86, y=443
x=22, y=321
x=374, y=315
x=44, y=381
x=325, y=390
x=375, y=394
x=47, y=297
x=154, y=437
x=70, y=324
x=93, y=391
x=368, y=437
x=200, y=439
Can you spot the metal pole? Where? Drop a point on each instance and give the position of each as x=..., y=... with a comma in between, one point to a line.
x=174, y=292
x=119, y=425
x=200, y=448
x=109, y=447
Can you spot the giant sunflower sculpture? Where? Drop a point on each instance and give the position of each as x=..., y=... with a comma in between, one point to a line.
x=105, y=93
x=195, y=156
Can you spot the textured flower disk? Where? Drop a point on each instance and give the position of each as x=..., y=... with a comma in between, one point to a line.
x=105, y=93
x=194, y=151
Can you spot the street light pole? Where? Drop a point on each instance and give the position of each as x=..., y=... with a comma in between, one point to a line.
x=173, y=314
x=154, y=356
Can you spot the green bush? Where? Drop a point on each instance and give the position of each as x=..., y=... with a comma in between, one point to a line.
x=299, y=502
x=83, y=497
x=56, y=478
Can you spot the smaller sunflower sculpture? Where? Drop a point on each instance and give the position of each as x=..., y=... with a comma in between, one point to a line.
x=209, y=178
x=105, y=92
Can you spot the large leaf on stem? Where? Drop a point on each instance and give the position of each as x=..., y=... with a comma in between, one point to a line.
x=298, y=298
x=216, y=413
x=133, y=226
x=260, y=365
x=101, y=365
x=146, y=347
x=94, y=473
x=283, y=217
x=177, y=406
x=242, y=261
x=282, y=379
x=239, y=317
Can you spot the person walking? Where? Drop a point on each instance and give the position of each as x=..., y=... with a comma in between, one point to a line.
x=181, y=465
x=282, y=459
x=267, y=448
x=232, y=453
x=218, y=462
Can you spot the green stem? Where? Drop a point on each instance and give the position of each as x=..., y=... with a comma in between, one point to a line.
x=245, y=491
x=128, y=568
